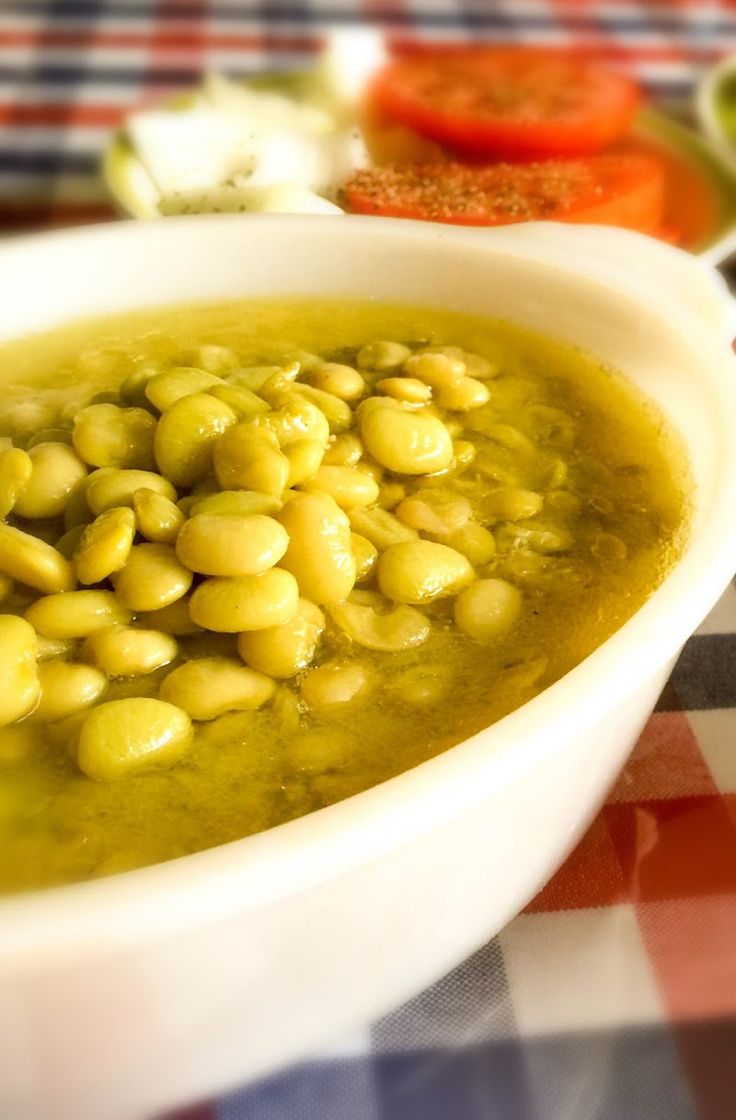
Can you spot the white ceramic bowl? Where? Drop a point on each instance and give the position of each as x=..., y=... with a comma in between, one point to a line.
x=139, y=992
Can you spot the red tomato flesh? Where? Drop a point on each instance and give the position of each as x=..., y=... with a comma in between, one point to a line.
x=618, y=190
x=516, y=104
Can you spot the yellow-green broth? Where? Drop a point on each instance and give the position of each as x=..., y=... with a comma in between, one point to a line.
x=623, y=489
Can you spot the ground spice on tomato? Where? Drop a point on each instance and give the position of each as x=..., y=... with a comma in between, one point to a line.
x=500, y=192
x=530, y=96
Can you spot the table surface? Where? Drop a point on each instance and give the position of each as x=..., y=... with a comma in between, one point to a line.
x=613, y=996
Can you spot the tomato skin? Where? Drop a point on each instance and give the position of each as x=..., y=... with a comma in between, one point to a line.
x=620, y=190
x=507, y=103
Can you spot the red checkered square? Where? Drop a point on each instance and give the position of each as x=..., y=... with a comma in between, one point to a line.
x=590, y=877
x=691, y=944
x=666, y=762
x=683, y=848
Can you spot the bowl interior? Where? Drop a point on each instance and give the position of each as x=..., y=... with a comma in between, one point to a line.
x=489, y=272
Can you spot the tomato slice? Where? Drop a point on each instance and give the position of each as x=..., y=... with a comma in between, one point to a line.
x=620, y=190
x=507, y=102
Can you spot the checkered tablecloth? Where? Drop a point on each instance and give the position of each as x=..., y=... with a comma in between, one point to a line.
x=613, y=996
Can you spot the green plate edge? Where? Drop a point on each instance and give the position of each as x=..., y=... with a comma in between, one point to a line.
x=700, y=153
x=118, y=159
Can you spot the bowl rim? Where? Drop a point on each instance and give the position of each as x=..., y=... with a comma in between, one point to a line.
x=253, y=872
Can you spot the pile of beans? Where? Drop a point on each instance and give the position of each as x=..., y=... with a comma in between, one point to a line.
x=267, y=503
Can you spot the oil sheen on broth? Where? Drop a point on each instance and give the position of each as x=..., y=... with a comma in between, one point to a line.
x=566, y=488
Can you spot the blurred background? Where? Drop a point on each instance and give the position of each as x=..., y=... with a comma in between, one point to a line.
x=71, y=70
x=614, y=996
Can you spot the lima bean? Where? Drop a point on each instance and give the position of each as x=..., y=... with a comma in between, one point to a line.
x=339, y=380
x=186, y=435
x=249, y=458
x=56, y=471
x=125, y=737
x=336, y=684
x=106, y=435
x=67, y=688
x=207, y=687
x=421, y=571
x=407, y=441
x=152, y=577
x=349, y=486
x=369, y=620
x=219, y=544
x=283, y=651
x=105, y=545
x=240, y=503
x=16, y=467
x=157, y=517
x=19, y=685
x=110, y=487
x=487, y=609
x=75, y=614
x=29, y=560
x=129, y=651
x=319, y=553
x=383, y=355
x=168, y=387
x=232, y=605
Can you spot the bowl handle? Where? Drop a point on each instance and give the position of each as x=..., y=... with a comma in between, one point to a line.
x=689, y=285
